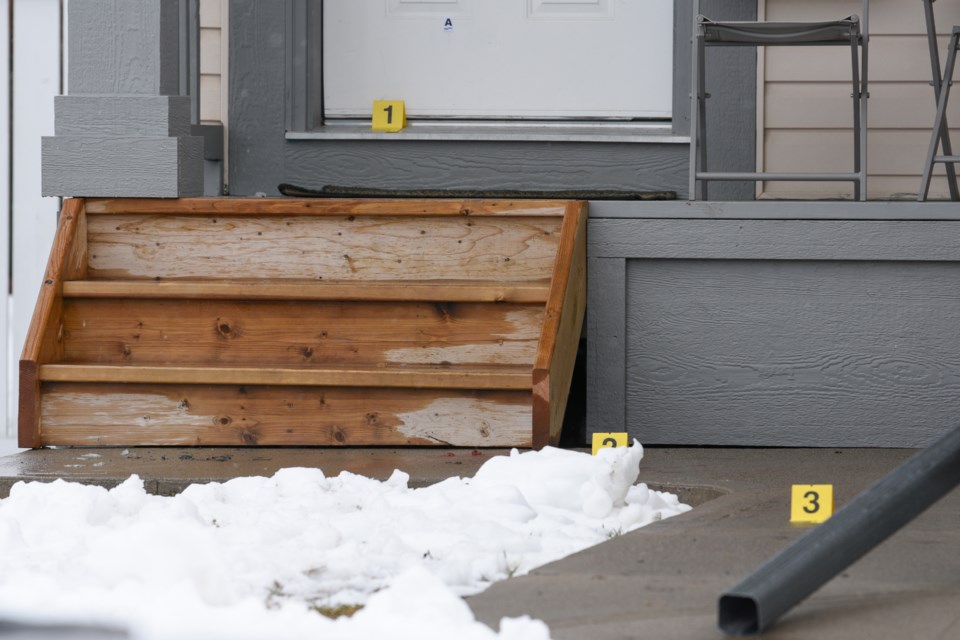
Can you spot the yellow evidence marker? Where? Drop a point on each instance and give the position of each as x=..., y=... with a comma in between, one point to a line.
x=811, y=503
x=389, y=115
x=609, y=440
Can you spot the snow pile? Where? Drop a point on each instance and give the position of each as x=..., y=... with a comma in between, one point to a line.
x=256, y=557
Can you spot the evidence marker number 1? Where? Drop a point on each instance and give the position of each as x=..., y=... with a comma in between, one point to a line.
x=609, y=441
x=811, y=503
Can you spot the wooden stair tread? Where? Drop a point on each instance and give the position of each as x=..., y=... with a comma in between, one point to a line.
x=377, y=290
x=503, y=377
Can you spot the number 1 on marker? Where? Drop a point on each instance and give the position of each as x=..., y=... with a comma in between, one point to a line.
x=389, y=115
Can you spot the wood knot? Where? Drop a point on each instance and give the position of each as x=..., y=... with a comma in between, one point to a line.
x=372, y=418
x=224, y=421
x=338, y=435
x=226, y=329
x=485, y=430
x=307, y=352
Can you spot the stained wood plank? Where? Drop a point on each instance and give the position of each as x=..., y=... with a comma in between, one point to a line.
x=415, y=377
x=298, y=334
x=344, y=248
x=186, y=415
x=560, y=334
x=386, y=291
x=327, y=207
x=43, y=342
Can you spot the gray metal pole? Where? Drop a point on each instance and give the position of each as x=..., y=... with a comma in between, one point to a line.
x=816, y=557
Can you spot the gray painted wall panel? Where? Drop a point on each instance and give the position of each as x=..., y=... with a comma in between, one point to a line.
x=160, y=167
x=606, y=339
x=124, y=46
x=122, y=115
x=486, y=165
x=774, y=239
x=792, y=353
x=778, y=210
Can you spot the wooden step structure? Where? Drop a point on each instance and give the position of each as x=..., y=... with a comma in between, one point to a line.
x=305, y=322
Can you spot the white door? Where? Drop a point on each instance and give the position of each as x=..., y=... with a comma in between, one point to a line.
x=583, y=59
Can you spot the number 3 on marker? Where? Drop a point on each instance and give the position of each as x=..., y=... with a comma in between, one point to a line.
x=811, y=503
x=389, y=115
x=814, y=504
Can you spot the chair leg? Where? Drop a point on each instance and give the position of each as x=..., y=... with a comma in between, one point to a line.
x=857, y=97
x=936, y=72
x=702, y=115
x=938, y=121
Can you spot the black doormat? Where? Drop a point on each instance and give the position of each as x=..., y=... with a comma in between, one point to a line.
x=334, y=191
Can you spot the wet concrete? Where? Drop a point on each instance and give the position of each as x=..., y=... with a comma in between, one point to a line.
x=167, y=471
x=662, y=581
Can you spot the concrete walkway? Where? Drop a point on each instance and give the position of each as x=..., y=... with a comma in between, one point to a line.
x=660, y=582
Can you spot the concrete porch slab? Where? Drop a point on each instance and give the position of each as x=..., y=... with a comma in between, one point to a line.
x=662, y=581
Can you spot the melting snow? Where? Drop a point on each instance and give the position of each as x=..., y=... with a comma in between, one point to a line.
x=255, y=557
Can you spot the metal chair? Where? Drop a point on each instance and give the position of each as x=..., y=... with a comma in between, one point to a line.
x=940, y=133
x=851, y=31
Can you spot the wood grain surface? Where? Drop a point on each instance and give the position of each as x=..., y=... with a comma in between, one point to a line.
x=327, y=207
x=185, y=415
x=337, y=248
x=370, y=290
x=297, y=334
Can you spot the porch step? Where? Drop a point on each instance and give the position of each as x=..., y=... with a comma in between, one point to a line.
x=225, y=321
x=385, y=291
x=417, y=377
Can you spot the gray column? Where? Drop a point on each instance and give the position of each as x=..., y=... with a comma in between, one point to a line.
x=123, y=130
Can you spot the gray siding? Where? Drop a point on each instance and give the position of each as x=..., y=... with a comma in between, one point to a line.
x=267, y=95
x=812, y=331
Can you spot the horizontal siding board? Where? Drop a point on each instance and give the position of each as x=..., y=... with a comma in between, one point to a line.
x=210, y=87
x=891, y=152
x=210, y=13
x=210, y=51
x=827, y=105
x=886, y=16
x=774, y=240
x=765, y=210
x=892, y=58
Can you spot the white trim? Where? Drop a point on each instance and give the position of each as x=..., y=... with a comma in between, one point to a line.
x=499, y=131
x=7, y=350
x=36, y=80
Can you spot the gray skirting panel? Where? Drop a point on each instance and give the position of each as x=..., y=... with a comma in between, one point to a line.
x=773, y=332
